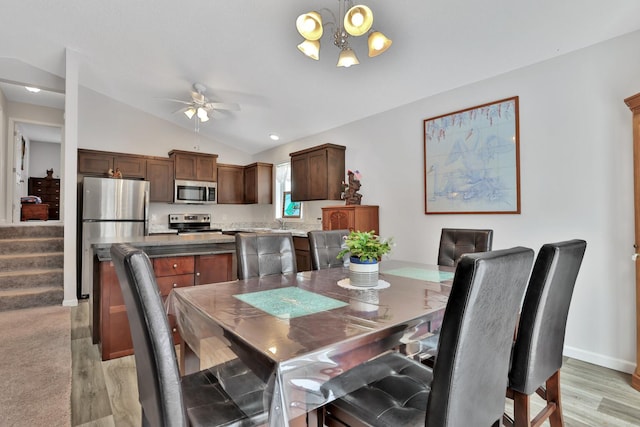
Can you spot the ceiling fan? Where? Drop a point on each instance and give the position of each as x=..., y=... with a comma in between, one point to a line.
x=201, y=107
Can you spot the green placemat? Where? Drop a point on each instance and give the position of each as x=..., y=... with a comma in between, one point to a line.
x=290, y=302
x=421, y=274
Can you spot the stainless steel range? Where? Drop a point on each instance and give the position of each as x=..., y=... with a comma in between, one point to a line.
x=192, y=223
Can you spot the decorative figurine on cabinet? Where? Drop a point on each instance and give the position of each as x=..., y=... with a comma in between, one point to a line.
x=350, y=191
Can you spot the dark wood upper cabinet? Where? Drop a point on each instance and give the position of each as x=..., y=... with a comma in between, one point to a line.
x=245, y=184
x=94, y=163
x=258, y=187
x=194, y=166
x=160, y=177
x=230, y=184
x=131, y=167
x=317, y=173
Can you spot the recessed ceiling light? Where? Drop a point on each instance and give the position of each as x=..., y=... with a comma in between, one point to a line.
x=274, y=137
x=32, y=89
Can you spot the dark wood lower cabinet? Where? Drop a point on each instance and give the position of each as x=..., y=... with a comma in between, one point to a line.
x=303, y=254
x=171, y=272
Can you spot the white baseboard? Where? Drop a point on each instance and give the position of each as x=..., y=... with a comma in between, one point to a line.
x=600, y=360
x=70, y=302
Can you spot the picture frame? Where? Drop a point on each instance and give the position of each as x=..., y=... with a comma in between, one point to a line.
x=290, y=209
x=472, y=160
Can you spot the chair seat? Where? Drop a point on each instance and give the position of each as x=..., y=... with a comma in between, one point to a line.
x=208, y=404
x=392, y=390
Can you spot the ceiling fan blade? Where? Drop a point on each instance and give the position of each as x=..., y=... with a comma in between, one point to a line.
x=179, y=100
x=222, y=106
x=181, y=110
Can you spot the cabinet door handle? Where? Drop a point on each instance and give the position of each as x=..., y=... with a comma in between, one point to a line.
x=174, y=330
x=175, y=285
x=198, y=274
x=175, y=265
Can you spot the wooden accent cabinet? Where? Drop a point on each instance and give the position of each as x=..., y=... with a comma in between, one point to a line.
x=171, y=272
x=317, y=173
x=48, y=189
x=194, y=166
x=633, y=102
x=352, y=217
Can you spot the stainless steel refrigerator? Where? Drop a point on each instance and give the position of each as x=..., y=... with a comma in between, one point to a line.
x=115, y=209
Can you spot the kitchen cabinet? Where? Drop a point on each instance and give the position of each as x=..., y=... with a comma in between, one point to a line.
x=317, y=173
x=214, y=268
x=94, y=163
x=258, y=183
x=48, y=189
x=112, y=329
x=194, y=166
x=160, y=177
x=230, y=184
x=157, y=170
x=131, y=167
x=352, y=217
x=245, y=184
x=303, y=253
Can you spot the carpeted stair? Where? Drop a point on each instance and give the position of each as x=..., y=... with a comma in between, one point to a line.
x=31, y=263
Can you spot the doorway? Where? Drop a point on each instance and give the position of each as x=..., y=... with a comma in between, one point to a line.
x=37, y=167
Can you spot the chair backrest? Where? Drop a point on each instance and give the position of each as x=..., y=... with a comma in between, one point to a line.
x=537, y=352
x=324, y=246
x=263, y=254
x=159, y=387
x=472, y=366
x=457, y=241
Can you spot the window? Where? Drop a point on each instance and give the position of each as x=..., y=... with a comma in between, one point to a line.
x=283, y=184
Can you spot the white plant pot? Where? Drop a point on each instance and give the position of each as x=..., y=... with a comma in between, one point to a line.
x=363, y=274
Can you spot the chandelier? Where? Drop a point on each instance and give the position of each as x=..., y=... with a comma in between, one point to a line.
x=357, y=21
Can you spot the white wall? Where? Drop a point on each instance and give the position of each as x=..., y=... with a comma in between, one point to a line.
x=576, y=180
x=44, y=156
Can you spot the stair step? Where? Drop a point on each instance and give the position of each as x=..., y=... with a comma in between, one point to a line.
x=30, y=297
x=30, y=261
x=31, y=245
x=12, y=232
x=34, y=278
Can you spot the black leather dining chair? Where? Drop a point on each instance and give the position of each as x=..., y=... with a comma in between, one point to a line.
x=263, y=254
x=467, y=384
x=454, y=242
x=324, y=246
x=457, y=241
x=168, y=400
x=537, y=351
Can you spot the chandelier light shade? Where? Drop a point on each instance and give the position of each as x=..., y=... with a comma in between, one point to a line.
x=347, y=58
x=378, y=43
x=309, y=25
x=311, y=48
x=202, y=115
x=356, y=21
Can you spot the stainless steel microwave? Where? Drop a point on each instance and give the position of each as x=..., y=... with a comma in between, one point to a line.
x=195, y=192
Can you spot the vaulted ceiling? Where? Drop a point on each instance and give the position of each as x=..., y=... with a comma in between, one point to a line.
x=145, y=52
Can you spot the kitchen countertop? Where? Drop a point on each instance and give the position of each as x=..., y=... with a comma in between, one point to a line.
x=183, y=244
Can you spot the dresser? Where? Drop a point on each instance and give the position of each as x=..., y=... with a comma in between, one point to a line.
x=48, y=189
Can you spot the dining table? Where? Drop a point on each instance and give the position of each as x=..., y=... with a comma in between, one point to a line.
x=296, y=332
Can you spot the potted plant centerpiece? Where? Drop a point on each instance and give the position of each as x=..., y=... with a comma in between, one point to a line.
x=365, y=250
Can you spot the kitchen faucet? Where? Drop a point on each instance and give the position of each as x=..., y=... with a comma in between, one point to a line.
x=283, y=225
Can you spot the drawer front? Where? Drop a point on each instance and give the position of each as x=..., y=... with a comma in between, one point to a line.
x=167, y=283
x=171, y=266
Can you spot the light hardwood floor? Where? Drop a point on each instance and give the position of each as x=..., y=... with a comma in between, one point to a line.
x=106, y=393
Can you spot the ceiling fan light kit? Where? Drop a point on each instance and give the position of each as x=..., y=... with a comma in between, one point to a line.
x=356, y=21
x=201, y=107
